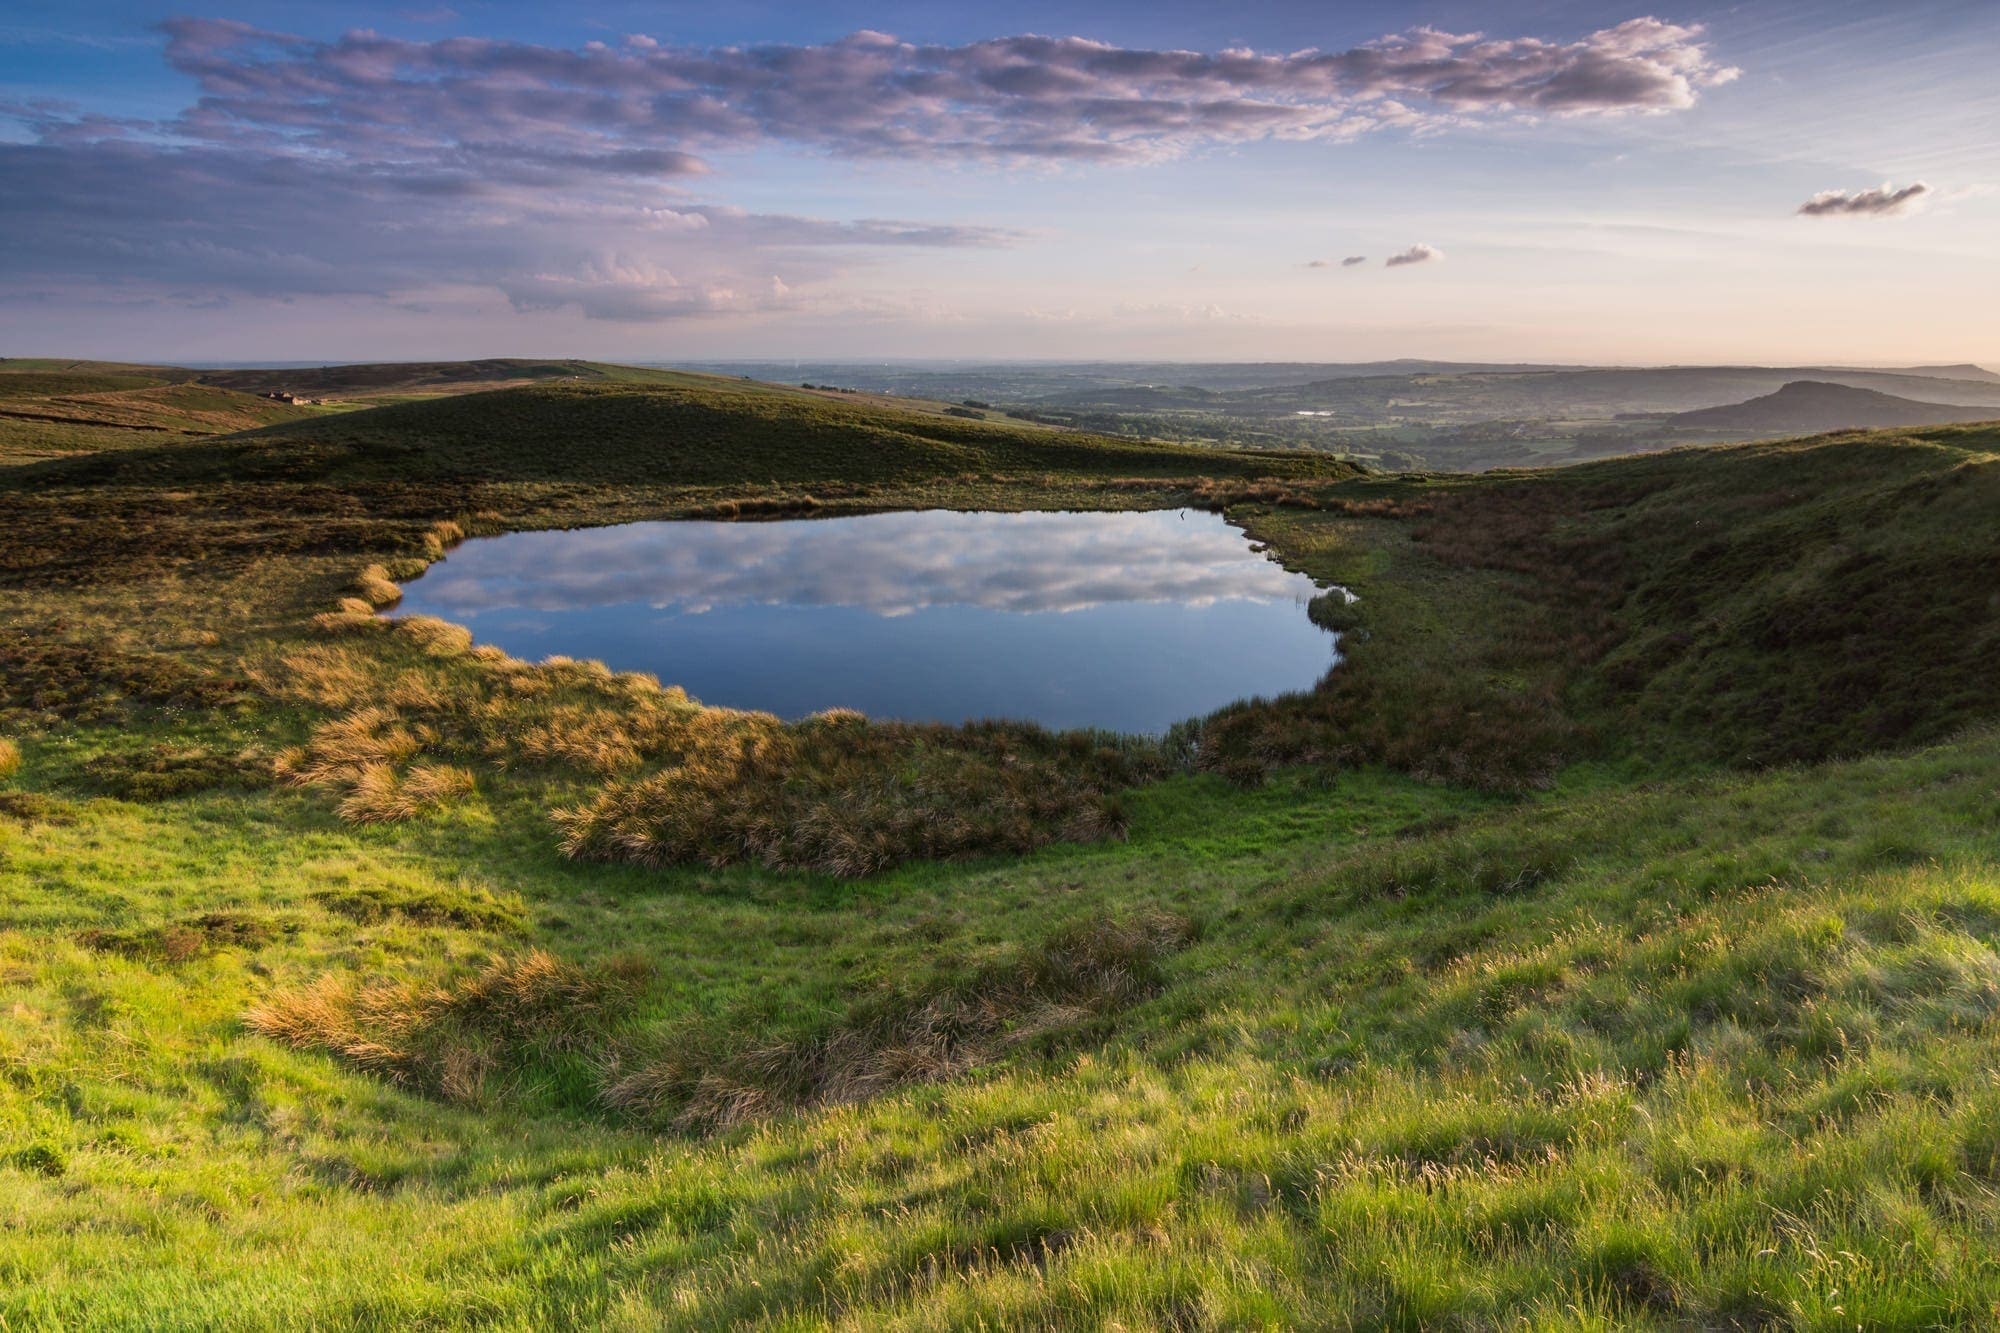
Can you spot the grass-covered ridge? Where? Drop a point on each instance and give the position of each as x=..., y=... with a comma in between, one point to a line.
x=1499, y=979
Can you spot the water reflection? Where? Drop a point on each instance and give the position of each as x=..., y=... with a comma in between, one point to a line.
x=891, y=564
x=1130, y=621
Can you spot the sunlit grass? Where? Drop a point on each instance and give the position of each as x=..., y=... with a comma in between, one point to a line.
x=1465, y=991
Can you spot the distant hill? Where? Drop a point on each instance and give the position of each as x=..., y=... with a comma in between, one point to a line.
x=1812, y=406
x=429, y=378
x=1963, y=371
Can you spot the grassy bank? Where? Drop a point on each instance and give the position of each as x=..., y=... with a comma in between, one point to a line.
x=1501, y=978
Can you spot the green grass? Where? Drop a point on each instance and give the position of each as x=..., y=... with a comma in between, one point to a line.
x=1504, y=979
x=1690, y=1054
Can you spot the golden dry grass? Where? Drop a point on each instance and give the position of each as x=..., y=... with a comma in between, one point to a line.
x=374, y=586
x=378, y=794
x=448, y=1039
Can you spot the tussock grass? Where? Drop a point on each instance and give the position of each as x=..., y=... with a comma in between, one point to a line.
x=374, y=586
x=439, y=638
x=450, y=1040
x=440, y=537
x=683, y=783
x=10, y=758
x=378, y=794
x=368, y=737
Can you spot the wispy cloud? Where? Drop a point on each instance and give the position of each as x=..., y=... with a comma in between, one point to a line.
x=1353, y=261
x=122, y=218
x=1882, y=201
x=1416, y=254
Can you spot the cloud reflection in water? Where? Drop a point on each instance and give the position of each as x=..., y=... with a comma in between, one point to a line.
x=890, y=564
x=1125, y=621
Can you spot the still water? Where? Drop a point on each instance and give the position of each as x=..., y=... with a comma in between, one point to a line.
x=1126, y=621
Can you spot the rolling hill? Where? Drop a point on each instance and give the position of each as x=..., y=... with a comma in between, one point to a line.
x=1805, y=407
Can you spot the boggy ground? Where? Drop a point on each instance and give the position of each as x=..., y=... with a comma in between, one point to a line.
x=1501, y=978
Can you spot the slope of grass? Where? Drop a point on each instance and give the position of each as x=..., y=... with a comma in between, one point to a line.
x=720, y=432
x=1700, y=1054
x=1746, y=604
x=57, y=414
x=1495, y=987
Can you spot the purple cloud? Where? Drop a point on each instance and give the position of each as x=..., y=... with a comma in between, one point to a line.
x=131, y=220
x=1416, y=254
x=384, y=167
x=1882, y=201
x=870, y=94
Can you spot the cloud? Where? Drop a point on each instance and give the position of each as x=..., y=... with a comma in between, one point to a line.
x=1353, y=260
x=377, y=166
x=871, y=94
x=125, y=220
x=1317, y=263
x=1416, y=254
x=1882, y=201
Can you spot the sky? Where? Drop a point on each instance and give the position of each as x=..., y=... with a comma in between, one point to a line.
x=1776, y=182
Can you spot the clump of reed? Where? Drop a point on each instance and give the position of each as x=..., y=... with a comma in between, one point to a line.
x=449, y=1039
x=768, y=506
x=10, y=758
x=936, y=1029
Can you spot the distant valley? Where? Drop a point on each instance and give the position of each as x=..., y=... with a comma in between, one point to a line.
x=1441, y=415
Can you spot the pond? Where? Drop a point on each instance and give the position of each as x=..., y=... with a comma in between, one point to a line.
x=1127, y=621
